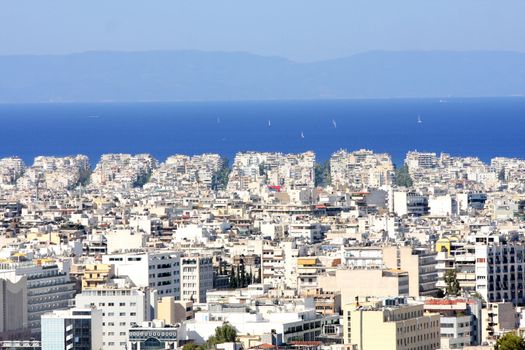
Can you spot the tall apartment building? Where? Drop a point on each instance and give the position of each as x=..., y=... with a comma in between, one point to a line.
x=72, y=329
x=122, y=307
x=459, y=257
x=156, y=270
x=420, y=160
x=392, y=323
x=48, y=288
x=279, y=263
x=13, y=307
x=196, y=277
x=500, y=271
x=361, y=169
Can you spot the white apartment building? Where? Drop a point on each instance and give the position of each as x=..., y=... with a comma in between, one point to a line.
x=156, y=270
x=461, y=322
x=420, y=160
x=295, y=320
x=444, y=206
x=409, y=203
x=361, y=169
x=121, y=308
x=196, y=277
x=279, y=263
x=310, y=232
x=500, y=272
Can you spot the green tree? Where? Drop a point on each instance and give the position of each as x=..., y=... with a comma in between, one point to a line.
x=510, y=341
x=452, y=288
x=242, y=275
x=501, y=175
x=322, y=173
x=220, y=178
x=193, y=346
x=478, y=296
x=250, y=276
x=403, y=176
x=233, y=278
x=223, y=334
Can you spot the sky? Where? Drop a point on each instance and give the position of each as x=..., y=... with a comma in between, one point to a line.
x=301, y=30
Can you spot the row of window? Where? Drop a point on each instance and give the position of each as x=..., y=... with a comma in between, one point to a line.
x=113, y=304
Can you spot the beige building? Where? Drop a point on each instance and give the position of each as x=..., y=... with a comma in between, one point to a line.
x=392, y=323
x=420, y=263
x=326, y=303
x=173, y=311
x=308, y=271
x=97, y=275
x=366, y=282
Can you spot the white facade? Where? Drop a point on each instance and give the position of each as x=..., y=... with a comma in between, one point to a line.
x=156, y=270
x=121, y=308
x=500, y=272
x=301, y=323
x=444, y=206
x=196, y=278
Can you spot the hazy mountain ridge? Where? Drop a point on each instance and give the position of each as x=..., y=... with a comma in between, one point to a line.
x=195, y=75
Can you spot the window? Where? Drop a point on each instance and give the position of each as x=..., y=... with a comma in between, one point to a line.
x=122, y=304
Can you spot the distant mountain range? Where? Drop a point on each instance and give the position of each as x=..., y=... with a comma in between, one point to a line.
x=196, y=75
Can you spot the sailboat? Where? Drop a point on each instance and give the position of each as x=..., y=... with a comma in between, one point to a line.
x=419, y=121
x=269, y=123
x=302, y=135
x=334, y=123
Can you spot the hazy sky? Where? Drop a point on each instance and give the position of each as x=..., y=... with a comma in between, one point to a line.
x=302, y=30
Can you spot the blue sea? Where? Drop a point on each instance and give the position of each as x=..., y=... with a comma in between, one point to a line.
x=477, y=127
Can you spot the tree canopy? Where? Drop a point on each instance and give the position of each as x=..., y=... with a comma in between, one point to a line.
x=452, y=283
x=224, y=334
x=510, y=341
x=403, y=176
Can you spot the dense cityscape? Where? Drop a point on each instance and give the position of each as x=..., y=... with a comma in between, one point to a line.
x=269, y=251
